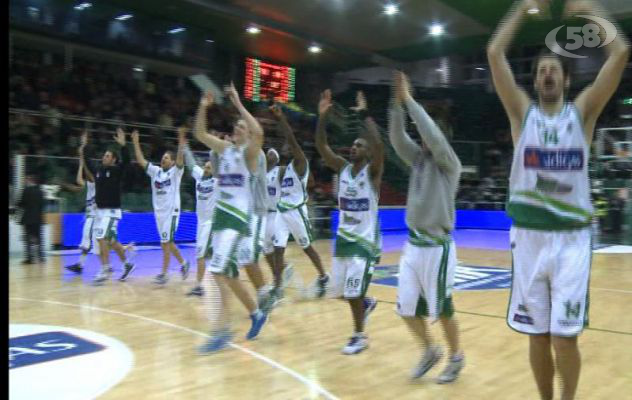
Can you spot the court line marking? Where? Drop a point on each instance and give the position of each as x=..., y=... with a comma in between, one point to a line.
x=307, y=382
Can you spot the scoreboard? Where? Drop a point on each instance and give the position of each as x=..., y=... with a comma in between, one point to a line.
x=265, y=81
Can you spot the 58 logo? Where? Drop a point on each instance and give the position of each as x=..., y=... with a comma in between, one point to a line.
x=587, y=36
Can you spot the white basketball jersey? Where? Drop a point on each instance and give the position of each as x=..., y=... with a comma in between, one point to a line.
x=204, y=194
x=358, y=205
x=274, y=188
x=549, y=187
x=234, y=195
x=293, y=189
x=165, y=188
x=91, y=205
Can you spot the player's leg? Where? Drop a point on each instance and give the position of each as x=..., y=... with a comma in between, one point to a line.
x=84, y=246
x=529, y=305
x=281, y=236
x=569, y=298
x=202, y=252
x=301, y=229
x=412, y=306
x=163, y=223
x=104, y=225
x=219, y=315
x=173, y=248
x=357, y=278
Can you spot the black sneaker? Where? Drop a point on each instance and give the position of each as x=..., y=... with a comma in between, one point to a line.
x=321, y=285
x=76, y=268
x=184, y=270
x=196, y=291
x=128, y=268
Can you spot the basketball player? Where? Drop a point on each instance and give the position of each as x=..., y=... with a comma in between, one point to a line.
x=205, y=203
x=549, y=194
x=358, y=236
x=273, y=179
x=428, y=261
x=107, y=183
x=88, y=241
x=236, y=219
x=165, y=193
x=292, y=216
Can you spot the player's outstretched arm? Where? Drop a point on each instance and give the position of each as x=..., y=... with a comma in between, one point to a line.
x=83, y=171
x=404, y=146
x=211, y=141
x=331, y=159
x=256, y=131
x=182, y=131
x=376, y=145
x=515, y=100
x=300, y=161
x=592, y=100
x=138, y=152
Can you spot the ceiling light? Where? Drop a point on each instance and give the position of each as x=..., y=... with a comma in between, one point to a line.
x=123, y=17
x=253, y=30
x=480, y=68
x=391, y=9
x=82, y=6
x=439, y=70
x=138, y=69
x=209, y=41
x=314, y=48
x=534, y=10
x=176, y=30
x=436, y=29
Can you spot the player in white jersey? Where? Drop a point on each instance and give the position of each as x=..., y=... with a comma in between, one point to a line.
x=88, y=240
x=549, y=194
x=204, y=205
x=237, y=217
x=292, y=216
x=358, y=244
x=165, y=191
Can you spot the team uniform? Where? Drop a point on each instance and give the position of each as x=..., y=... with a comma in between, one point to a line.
x=292, y=216
x=549, y=203
x=88, y=239
x=205, y=203
x=238, y=222
x=358, y=238
x=165, y=190
x=274, y=195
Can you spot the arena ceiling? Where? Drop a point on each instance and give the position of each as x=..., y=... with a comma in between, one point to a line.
x=351, y=33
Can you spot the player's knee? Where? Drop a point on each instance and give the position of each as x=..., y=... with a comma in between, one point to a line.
x=564, y=344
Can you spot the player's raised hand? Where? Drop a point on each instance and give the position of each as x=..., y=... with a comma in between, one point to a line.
x=84, y=138
x=135, y=136
x=182, y=134
x=401, y=87
x=207, y=99
x=360, y=102
x=543, y=8
x=120, y=136
x=275, y=109
x=232, y=94
x=325, y=102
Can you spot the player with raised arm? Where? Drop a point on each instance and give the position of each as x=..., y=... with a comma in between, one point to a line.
x=88, y=241
x=107, y=181
x=358, y=244
x=237, y=217
x=549, y=194
x=428, y=261
x=205, y=184
x=165, y=193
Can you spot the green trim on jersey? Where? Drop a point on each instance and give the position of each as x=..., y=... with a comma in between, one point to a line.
x=283, y=206
x=421, y=238
x=237, y=213
x=172, y=231
x=351, y=245
x=533, y=217
x=223, y=220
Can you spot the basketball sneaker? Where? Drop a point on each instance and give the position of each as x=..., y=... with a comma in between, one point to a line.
x=451, y=371
x=369, y=305
x=258, y=318
x=321, y=285
x=286, y=277
x=161, y=279
x=184, y=270
x=196, y=291
x=357, y=343
x=431, y=357
x=76, y=268
x=127, y=269
x=218, y=341
x=102, y=276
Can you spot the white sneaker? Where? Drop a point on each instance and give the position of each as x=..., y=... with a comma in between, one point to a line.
x=286, y=276
x=357, y=343
x=102, y=276
x=429, y=359
x=451, y=371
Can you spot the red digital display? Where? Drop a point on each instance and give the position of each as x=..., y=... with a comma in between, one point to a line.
x=265, y=81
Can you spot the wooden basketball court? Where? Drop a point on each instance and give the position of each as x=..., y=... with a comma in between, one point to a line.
x=297, y=355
